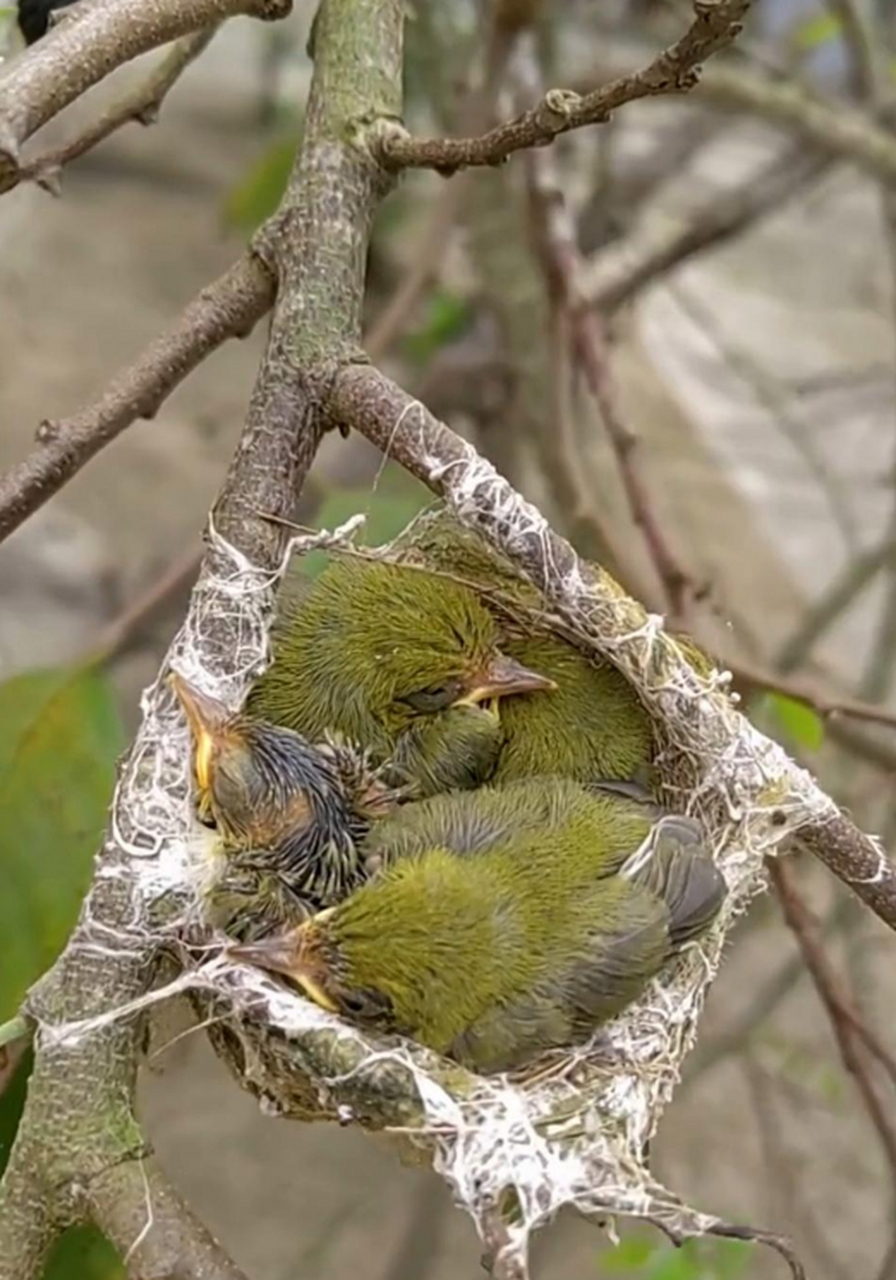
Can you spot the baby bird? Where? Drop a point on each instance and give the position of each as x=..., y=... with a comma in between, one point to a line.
x=505, y=921
x=405, y=663
x=593, y=726
x=290, y=815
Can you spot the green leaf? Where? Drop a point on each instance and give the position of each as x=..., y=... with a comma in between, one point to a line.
x=389, y=507
x=797, y=721
x=83, y=1253
x=629, y=1255
x=675, y=1264
x=816, y=31
x=60, y=735
x=447, y=316
x=259, y=194
x=696, y=1259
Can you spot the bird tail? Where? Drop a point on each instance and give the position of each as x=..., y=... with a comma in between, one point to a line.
x=679, y=870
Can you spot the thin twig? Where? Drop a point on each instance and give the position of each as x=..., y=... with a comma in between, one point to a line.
x=94, y=38
x=556, y=245
x=845, y=1021
x=829, y=706
x=773, y=398
x=434, y=241
x=502, y=1260
x=141, y=104
x=124, y=631
x=715, y=25
x=860, y=47
x=228, y=308
x=782, y=1184
x=851, y=133
x=833, y=603
x=736, y=1038
x=618, y=275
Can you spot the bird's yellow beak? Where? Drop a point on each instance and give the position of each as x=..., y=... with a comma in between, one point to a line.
x=501, y=678
x=206, y=717
x=292, y=954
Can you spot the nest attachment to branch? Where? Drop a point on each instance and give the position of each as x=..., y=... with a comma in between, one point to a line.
x=573, y=1129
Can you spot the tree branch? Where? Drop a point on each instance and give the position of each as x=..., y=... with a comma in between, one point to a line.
x=617, y=275
x=839, y=595
x=93, y=39
x=848, y=1028
x=856, y=859
x=142, y=104
x=78, y=1126
x=715, y=25
x=228, y=308
x=851, y=133
x=828, y=705
x=152, y=1226
x=555, y=242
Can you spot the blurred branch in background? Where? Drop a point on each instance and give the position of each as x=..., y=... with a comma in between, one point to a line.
x=141, y=105
x=858, y=1045
x=616, y=277
x=846, y=131
x=92, y=40
x=228, y=308
x=556, y=244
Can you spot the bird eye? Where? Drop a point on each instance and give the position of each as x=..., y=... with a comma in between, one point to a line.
x=437, y=697
x=365, y=1005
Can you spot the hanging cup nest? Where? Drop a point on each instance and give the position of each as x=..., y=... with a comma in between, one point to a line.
x=574, y=1127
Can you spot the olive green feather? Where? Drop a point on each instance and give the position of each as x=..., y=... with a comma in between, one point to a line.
x=513, y=919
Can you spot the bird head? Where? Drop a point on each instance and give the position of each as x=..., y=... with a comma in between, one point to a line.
x=261, y=785
x=410, y=952
x=456, y=750
x=374, y=646
x=312, y=959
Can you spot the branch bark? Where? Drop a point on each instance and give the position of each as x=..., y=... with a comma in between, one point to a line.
x=848, y=132
x=715, y=25
x=79, y=1154
x=93, y=39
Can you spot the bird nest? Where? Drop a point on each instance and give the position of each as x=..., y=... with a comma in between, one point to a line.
x=574, y=1129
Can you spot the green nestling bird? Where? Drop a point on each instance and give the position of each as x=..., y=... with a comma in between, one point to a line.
x=593, y=726
x=289, y=816
x=405, y=663
x=506, y=921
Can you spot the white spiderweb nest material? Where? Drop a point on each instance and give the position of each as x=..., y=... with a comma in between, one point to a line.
x=514, y=1153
